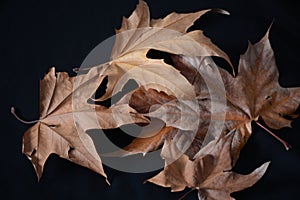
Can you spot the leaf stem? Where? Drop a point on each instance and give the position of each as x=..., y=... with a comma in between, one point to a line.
x=84, y=69
x=183, y=196
x=76, y=69
x=286, y=145
x=13, y=111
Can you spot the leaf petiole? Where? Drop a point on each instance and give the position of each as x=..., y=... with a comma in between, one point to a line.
x=286, y=145
x=13, y=111
x=183, y=196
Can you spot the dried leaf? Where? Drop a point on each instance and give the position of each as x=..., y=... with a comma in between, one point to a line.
x=138, y=35
x=137, y=32
x=210, y=172
x=253, y=93
x=56, y=132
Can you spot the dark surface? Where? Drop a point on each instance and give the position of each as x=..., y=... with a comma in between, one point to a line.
x=36, y=35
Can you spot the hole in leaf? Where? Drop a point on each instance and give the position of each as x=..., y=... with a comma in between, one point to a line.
x=101, y=89
x=128, y=87
x=220, y=62
x=155, y=54
x=71, y=149
x=33, y=152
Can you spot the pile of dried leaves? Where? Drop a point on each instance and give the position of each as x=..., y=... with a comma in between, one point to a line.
x=187, y=94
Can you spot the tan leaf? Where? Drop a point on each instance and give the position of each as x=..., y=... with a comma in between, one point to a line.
x=64, y=98
x=210, y=172
x=137, y=32
x=138, y=35
x=253, y=93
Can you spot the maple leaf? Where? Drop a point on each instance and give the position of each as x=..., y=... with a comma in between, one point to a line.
x=210, y=172
x=254, y=93
x=139, y=34
x=64, y=98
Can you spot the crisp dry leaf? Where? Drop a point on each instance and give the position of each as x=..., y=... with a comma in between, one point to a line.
x=253, y=93
x=139, y=34
x=210, y=171
x=55, y=132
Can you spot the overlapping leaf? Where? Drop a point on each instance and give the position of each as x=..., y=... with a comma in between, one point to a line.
x=187, y=96
x=139, y=34
x=254, y=93
x=210, y=172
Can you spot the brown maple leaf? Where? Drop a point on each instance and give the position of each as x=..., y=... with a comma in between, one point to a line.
x=254, y=93
x=64, y=98
x=210, y=172
x=138, y=34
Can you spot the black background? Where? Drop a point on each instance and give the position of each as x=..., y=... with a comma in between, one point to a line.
x=36, y=35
